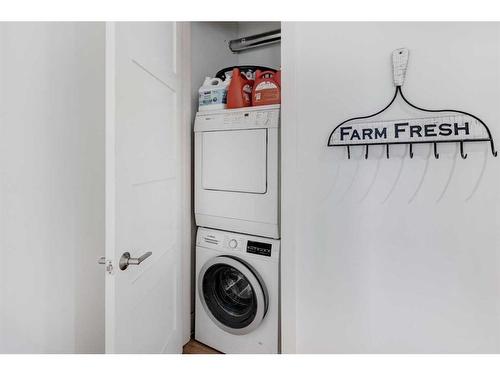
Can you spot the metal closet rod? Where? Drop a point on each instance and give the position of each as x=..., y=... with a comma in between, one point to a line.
x=255, y=41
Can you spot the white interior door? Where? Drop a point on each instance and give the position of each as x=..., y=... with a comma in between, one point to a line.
x=143, y=188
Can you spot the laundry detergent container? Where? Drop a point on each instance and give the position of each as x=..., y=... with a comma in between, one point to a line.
x=236, y=170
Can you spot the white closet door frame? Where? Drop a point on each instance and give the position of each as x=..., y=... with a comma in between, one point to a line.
x=187, y=137
x=289, y=55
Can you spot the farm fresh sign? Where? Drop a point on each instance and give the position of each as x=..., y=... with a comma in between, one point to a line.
x=429, y=129
x=438, y=125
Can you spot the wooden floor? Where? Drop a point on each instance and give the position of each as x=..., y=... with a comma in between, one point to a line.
x=195, y=347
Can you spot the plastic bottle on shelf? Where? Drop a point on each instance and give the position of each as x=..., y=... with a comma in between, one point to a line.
x=213, y=94
x=267, y=88
x=240, y=90
x=277, y=77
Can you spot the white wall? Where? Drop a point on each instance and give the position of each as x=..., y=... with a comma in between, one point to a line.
x=269, y=55
x=51, y=187
x=398, y=255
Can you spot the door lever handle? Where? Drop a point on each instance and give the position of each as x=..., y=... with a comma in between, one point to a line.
x=126, y=260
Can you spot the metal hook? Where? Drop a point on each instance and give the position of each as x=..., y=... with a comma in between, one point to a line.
x=411, y=150
x=464, y=156
x=387, y=150
x=436, y=155
x=366, y=152
x=348, y=152
x=493, y=151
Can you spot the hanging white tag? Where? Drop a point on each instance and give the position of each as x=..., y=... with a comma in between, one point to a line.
x=399, y=65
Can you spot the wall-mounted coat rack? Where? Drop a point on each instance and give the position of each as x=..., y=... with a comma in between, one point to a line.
x=451, y=126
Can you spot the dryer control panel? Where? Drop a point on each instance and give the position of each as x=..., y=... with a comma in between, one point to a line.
x=239, y=118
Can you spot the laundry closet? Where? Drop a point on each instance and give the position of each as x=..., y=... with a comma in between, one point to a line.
x=236, y=227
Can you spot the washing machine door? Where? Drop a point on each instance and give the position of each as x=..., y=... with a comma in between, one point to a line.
x=232, y=294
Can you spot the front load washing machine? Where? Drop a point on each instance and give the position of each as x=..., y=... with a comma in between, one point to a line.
x=237, y=296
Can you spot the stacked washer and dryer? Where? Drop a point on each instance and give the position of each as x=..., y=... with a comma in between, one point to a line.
x=237, y=244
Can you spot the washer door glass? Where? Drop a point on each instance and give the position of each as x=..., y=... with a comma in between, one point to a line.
x=232, y=294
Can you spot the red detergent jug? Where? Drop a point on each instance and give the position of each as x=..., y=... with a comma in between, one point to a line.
x=277, y=77
x=266, y=89
x=239, y=93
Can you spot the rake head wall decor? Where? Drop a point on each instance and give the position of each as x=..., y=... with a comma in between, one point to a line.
x=450, y=126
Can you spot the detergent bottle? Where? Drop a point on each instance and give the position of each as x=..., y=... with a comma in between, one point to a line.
x=240, y=90
x=266, y=89
x=277, y=77
x=213, y=94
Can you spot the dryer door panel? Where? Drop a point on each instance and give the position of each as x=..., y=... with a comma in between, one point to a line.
x=235, y=161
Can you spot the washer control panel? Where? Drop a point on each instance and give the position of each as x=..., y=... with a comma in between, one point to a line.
x=240, y=243
x=233, y=242
x=259, y=248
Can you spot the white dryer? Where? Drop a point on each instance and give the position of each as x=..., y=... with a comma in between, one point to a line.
x=237, y=296
x=236, y=170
